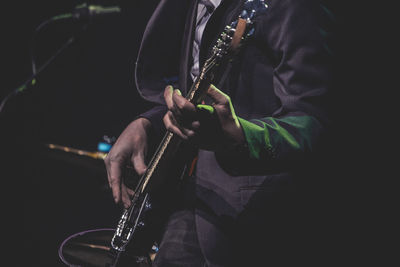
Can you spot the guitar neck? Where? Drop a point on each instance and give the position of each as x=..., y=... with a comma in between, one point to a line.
x=170, y=142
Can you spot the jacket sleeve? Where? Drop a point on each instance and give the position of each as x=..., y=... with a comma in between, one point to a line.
x=295, y=32
x=155, y=116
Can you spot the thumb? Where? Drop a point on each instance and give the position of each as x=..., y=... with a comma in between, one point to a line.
x=138, y=163
x=217, y=95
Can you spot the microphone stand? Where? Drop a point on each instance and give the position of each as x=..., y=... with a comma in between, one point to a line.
x=31, y=81
x=81, y=12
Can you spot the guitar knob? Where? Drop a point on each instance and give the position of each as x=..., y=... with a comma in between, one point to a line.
x=148, y=206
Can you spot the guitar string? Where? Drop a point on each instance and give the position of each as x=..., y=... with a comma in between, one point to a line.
x=141, y=184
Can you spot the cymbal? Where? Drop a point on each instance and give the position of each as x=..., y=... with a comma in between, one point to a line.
x=93, y=247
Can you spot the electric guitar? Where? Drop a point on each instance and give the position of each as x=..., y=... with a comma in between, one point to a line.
x=132, y=243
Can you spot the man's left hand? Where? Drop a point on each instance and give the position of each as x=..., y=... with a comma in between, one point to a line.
x=206, y=125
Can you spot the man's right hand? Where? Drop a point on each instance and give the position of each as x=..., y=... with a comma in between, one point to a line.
x=130, y=147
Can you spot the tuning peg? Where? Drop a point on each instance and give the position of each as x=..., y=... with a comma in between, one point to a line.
x=225, y=37
x=230, y=30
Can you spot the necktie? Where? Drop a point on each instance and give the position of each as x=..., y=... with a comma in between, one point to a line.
x=206, y=8
x=204, y=12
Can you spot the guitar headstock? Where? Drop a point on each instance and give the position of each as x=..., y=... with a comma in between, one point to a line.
x=239, y=30
x=228, y=43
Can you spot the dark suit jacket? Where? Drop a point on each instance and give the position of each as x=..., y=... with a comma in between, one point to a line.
x=279, y=86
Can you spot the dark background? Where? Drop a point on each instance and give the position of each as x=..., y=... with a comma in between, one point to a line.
x=89, y=92
x=86, y=93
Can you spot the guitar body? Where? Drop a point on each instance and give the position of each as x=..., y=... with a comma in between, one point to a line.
x=151, y=209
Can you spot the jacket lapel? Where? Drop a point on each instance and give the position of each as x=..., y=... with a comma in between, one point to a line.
x=227, y=11
x=159, y=55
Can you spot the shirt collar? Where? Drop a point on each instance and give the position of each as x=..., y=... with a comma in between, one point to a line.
x=215, y=3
